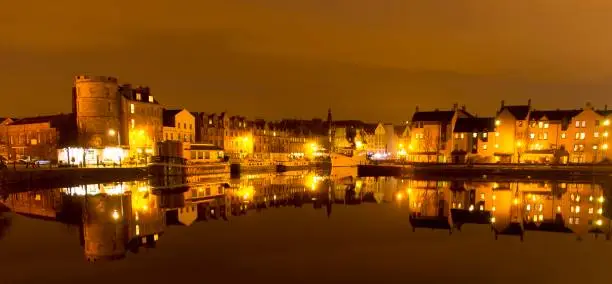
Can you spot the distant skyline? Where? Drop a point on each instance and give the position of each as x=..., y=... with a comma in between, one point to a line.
x=272, y=59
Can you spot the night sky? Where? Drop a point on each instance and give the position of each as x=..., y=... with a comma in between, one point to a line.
x=371, y=60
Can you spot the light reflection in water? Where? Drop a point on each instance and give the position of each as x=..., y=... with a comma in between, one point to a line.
x=115, y=218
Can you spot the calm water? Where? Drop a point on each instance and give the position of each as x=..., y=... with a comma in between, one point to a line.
x=304, y=227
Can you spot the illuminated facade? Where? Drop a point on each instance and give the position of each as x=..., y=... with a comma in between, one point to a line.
x=473, y=139
x=517, y=134
x=432, y=134
x=113, y=116
x=179, y=125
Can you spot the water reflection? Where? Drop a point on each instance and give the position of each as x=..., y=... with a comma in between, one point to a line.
x=116, y=218
x=510, y=207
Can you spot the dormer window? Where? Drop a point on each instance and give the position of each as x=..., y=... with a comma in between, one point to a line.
x=138, y=96
x=151, y=99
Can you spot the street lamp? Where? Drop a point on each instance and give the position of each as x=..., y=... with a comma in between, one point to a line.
x=112, y=132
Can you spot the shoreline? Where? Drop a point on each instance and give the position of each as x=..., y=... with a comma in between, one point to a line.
x=66, y=177
x=492, y=170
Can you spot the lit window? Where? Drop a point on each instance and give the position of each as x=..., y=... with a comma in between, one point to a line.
x=138, y=96
x=546, y=125
x=532, y=135
x=133, y=123
x=484, y=135
x=591, y=210
x=583, y=124
x=563, y=135
x=540, y=124
x=596, y=134
x=497, y=122
x=474, y=134
x=577, y=123
x=462, y=136
x=594, y=147
x=496, y=134
x=484, y=147
x=577, y=221
x=607, y=122
x=496, y=145
x=545, y=135
x=456, y=135
x=577, y=135
x=151, y=99
x=582, y=135
x=605, y=134
x=604, y=146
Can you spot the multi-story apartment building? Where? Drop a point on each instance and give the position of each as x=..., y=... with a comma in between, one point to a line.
x=472, y=139
x=179, y=125
x=229, y=133
x=511, y=123
x=431, y=134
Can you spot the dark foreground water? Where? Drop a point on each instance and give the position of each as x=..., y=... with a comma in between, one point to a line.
x=307, y=228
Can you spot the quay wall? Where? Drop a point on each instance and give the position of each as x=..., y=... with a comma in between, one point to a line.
x=64, y=177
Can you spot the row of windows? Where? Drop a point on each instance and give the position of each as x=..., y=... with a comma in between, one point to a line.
x=178, y=125
x=179, y=137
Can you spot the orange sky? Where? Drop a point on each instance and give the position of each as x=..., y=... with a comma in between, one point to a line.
x=374, y=60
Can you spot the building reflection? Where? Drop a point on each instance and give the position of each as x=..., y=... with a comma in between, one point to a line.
x=510, y=207
x=116, y=218
x=112, y=218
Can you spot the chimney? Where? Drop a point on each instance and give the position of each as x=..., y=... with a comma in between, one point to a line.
x=417, y=109
x=463, y=108
x=503, y=104
x=605, y=107
x=588, y=105
x=455, y=105
x=529, y=102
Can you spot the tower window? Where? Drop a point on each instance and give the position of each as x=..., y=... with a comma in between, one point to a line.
x=132, y=108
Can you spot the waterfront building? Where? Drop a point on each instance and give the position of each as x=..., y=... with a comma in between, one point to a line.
x=587, y=136
x=36, y=138
x=511, y=124
x=179, y=125
x=473, y=140
x=431, y=134
x=230, y=133
x=115, y=123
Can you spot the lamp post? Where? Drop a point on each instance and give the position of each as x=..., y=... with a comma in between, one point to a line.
x=113, y=133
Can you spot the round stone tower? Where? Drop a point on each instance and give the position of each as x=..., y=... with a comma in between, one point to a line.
x=98, y=111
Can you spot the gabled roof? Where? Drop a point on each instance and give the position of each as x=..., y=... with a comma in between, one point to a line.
x=519, y=112
x=169, y=115
x=554, y=115
x=474, y=124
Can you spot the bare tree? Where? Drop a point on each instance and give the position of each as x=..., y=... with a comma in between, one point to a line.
x=429, y=144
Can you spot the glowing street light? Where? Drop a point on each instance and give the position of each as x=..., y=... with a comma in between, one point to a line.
x=113, y=133
x=115, y=215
